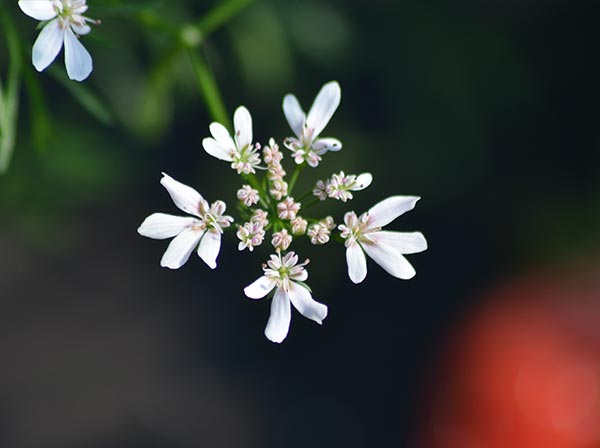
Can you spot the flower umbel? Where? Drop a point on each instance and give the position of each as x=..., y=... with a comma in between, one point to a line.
x=278, y=219
x=284, y=274
x=64, y=22
x=203, y=230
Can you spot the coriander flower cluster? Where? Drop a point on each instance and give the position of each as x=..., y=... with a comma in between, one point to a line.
x=274, y=217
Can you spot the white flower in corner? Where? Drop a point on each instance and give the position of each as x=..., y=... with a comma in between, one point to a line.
x=307, y=146
x=64, y=22
x=203, y=230
x=238, y=150
x=386, y=248
x=282, y=274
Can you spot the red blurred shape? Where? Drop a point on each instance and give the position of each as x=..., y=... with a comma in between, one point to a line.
x=524, y=369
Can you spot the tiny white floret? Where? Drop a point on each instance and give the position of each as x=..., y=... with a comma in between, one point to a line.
x=386, y=248
x=307, y=146
x=63, y=22
x=202, y=230
x=284, y=274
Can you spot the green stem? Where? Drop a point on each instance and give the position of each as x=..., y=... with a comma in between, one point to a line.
x=219, y=16
x=304, y=196
x=209, y=89
x=311, y=203
x=10, y=99
x=294, y=178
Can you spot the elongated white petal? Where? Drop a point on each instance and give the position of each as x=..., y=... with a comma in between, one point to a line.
x=390, y=259
x=180, y=248
x=160, y=226
x=81, y=28
x=403, y=242
x=363, y=181
x=77, y=59
x=184, y=197
x=209, y=247
x=322, y=145
x=357, y=263
x=281, y=314
x=47, y=45
x=305, y=304
x=38, y=9
x=215, y=149
x=260, y=288
x=242, y=123
x=294, y=114
x=389, y=209
x=325, y=104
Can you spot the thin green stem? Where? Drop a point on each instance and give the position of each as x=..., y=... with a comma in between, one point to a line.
x=304, y=196
x=310, y=204
x=208, y=88
x=297, y=170
x=10, y=99
x=219, y=16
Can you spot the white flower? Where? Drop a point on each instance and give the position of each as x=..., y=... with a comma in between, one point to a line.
x=203, y=230
x=240, y=151
x=307, y=146
x=340, y=185
x=384, y=247
x=260, y=217
x=64, y=23
x=282, y=274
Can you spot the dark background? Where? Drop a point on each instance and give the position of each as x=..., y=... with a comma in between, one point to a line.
x=488, y=110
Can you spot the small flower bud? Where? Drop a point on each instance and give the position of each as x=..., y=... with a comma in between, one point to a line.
x=248, y=195
x=281, y=240
x=318, y=233
x=260, y=217
x=287, y=209
x=299, y=226
x=320, y=190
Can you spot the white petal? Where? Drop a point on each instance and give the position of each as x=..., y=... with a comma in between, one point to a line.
x=209, y=248
x=357, y=263
x=305, y=304
x=180, y=248
x=81, y=28
x=38, y=9
x=47, y=45
x=363, y=181
x=281, y=314
x=403, y=242
x=242, y=123
x=160, y=226
x=325, y=104
x=390, y=259
x=389, y=209
x=294, y=114
x=215, y=149
x=222, y=136
x=184, y=197
x=260, y=288
x=322, y=145
x=77, y=59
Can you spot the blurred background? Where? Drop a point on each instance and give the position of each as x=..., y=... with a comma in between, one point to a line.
x=488, y=110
